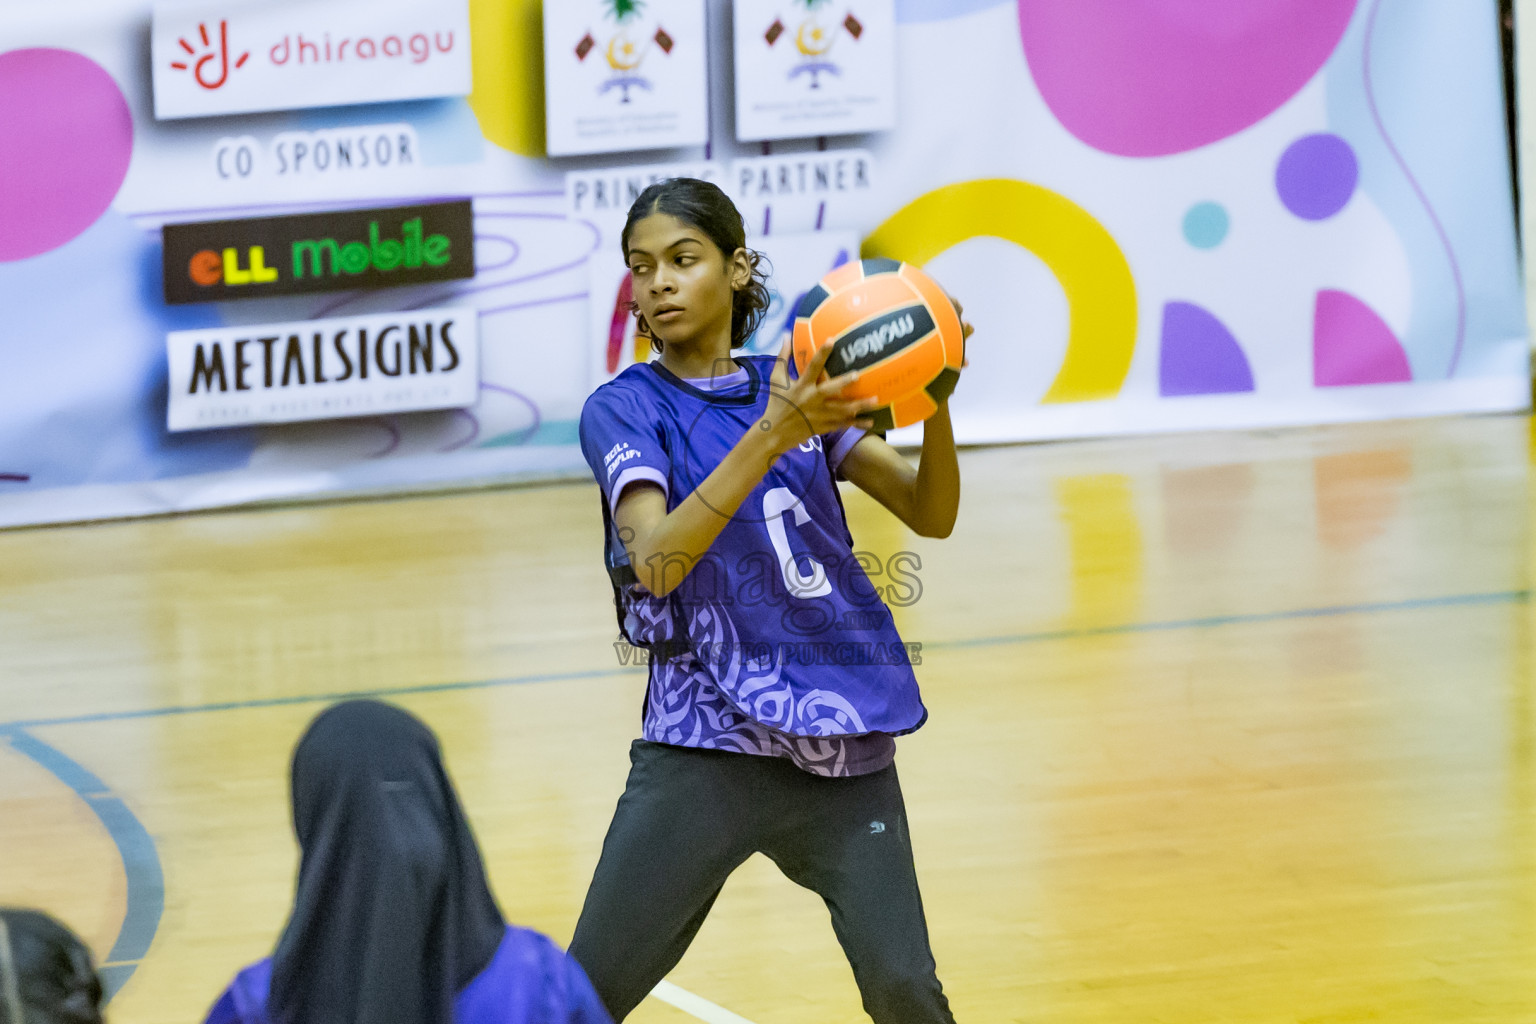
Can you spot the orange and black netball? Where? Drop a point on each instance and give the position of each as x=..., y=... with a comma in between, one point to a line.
x=892, y=323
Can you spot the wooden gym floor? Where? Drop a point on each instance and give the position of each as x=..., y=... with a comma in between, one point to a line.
x=1229, y=727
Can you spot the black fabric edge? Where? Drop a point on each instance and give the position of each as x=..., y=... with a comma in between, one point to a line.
x=755, y=384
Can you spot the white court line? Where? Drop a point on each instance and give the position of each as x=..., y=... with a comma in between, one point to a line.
x=697, y=1006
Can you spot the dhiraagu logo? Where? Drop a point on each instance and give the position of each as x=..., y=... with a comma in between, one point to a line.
x=210, y=47
x=318, y=252
x=214, y=57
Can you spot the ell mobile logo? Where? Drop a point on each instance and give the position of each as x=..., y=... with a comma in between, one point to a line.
x=322, y=252
x=239, y=56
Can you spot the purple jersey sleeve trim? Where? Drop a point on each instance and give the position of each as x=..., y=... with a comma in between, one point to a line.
x=844, y=445
x=634, y=475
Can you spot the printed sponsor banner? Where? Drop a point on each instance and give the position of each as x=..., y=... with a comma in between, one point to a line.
x=1132, y=261
x=814, y=69
x=602, y=195
x=797, y=262
x=337, y=153
x=602, y=198
x=624, y=75
x=318, y=252
x=803, y=191
x=241, y=56
x=323, y=369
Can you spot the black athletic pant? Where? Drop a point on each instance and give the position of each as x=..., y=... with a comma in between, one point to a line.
x=688, y=818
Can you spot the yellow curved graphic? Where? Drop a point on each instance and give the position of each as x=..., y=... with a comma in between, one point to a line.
x=1101, y=294
x=507, y=51
x=815, y=42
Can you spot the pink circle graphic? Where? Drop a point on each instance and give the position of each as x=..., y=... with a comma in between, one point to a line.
x=65, y=139
x=1153, y=77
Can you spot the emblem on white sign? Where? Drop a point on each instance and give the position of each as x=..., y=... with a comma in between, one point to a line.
x=623, y=75
x=814, y=67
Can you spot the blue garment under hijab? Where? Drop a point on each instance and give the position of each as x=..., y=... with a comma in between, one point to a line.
x=393, y=921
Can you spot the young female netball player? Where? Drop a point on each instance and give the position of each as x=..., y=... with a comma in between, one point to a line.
x=777, y=678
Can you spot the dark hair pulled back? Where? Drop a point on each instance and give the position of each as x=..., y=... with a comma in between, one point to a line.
x=45, y=972
x=701, y=204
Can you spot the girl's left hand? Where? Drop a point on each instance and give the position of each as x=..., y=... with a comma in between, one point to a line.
x=966, y=330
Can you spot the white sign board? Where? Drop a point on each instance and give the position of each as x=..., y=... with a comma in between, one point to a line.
x=242, y=56
x=323, y=369
x=824, y=67
x=602, y=198
x=623, y=75
x=796, y=192
x=353, y=154
x=797, y=262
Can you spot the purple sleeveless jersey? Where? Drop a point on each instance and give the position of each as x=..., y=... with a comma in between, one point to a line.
x=776, y=643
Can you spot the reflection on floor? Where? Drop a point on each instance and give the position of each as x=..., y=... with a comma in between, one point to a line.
x=1224, y=728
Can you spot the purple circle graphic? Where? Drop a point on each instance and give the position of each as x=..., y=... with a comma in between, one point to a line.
x=65, y=139
x=1316, y=176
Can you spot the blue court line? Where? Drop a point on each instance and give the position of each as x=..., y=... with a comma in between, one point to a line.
x=313, y=698
x=1129, y=628
x=141, y=861
x=1214, y=621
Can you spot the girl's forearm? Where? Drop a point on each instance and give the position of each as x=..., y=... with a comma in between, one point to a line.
x=936, y=489
x=670, y=549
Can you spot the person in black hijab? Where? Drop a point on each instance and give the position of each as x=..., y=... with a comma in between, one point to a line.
x=46, y=975
x=393, y=921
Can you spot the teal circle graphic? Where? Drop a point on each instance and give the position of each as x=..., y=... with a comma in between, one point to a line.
x=1205, y=225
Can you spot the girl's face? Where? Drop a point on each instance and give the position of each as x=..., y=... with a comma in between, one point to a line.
x=683, y=283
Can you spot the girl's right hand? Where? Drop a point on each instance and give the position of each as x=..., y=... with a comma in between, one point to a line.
x=801, y=408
